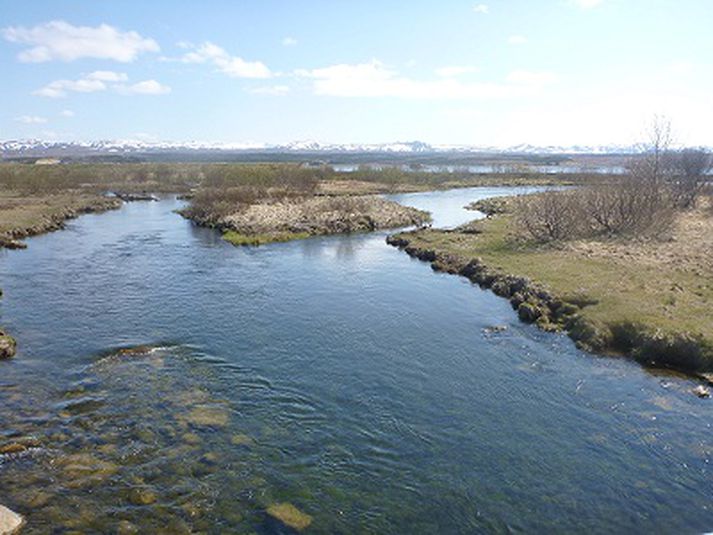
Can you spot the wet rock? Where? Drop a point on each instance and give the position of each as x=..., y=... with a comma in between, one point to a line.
x=241, y=439
x=9, y=243
x=8, y=346
x=495, y=329
x=142, y=497
x=82, y=469
x=702, y=392
x=39, y=499
x=210, y=458
x=528, y=312
x=126, y=528
x=501, y=288
x=544, y=323
x=19, y=446
x=11, y=448
x=208, y=416
x=191, y=438
x=134, y=351
x=289, y=515
x=10, y=521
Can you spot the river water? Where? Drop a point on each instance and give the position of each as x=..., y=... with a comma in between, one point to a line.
x=336, y=374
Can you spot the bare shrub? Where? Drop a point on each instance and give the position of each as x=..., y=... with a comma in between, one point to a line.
x=693, y=166
x=212, y=204
x=630, y=206
x=550, y=216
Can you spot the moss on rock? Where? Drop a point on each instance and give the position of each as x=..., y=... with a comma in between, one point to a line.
x=289, y=515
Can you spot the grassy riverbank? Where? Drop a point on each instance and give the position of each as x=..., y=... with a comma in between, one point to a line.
x=23, y=215
x=649, y=299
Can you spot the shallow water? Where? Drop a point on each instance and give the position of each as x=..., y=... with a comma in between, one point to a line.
x=336, y=374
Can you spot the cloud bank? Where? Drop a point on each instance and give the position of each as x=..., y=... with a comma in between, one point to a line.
x=59, y=40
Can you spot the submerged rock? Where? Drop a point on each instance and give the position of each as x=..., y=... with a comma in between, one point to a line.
x=702, y=392
x=241, y=439
x=10, y=521
x=289, y=515
x=208, y=416
x=19, y=446
x=9, y=243
x=83, y=470
x=142, y=497
x=8, y=346
x=134, y=350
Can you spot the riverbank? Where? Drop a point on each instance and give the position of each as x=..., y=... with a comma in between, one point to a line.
x=296, y=218
x=345, y=185
x=648, y=300
x=24, y=215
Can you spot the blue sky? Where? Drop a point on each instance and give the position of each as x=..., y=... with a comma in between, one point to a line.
x=491, y=72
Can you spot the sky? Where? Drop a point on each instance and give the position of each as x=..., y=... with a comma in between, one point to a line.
x=450, y=72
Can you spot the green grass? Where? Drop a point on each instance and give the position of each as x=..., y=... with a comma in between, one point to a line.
x=236, y=238
x=664, y=298
x=628, y=298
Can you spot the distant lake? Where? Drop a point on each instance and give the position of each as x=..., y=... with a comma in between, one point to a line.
x=483, y=168
x=336, y=374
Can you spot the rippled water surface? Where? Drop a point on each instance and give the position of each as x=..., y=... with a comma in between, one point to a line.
x=335, y=374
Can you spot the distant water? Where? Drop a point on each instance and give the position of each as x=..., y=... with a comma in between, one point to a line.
x=336, y=374
x=494, y=168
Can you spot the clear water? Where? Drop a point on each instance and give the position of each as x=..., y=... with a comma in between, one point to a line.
x=336, y=374
x=497, y=168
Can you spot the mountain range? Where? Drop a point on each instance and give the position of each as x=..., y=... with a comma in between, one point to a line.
x=40, y=148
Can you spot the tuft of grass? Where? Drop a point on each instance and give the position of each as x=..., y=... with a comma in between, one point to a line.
x=237, y=238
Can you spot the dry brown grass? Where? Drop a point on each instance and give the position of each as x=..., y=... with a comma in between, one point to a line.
x=689, y=247
x=23, y=214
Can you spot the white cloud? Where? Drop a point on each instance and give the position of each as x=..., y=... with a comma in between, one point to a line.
x=481, y=8
x=274, y=90
x=67, y=113
x=233, y=66
x=289, y=41
x=531, y=78
x=59, y=40
x=60, y=88
x=108, y=76
x=517, y=40
x=455, y=70
x=374, y=79
x=587, y=4
x=145, y=87
x=30, y=119
x=101, y=81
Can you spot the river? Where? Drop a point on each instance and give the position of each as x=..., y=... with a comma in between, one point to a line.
x=336, y=374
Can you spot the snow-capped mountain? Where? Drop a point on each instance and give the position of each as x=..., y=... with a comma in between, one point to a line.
x=42, y=148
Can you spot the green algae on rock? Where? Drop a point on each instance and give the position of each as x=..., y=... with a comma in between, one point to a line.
x=289, y=515
x=8, y=346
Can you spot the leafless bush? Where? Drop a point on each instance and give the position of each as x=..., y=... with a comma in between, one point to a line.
x=630, y=206
x=550, y=216
x=212, y=204
x=693, y=166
